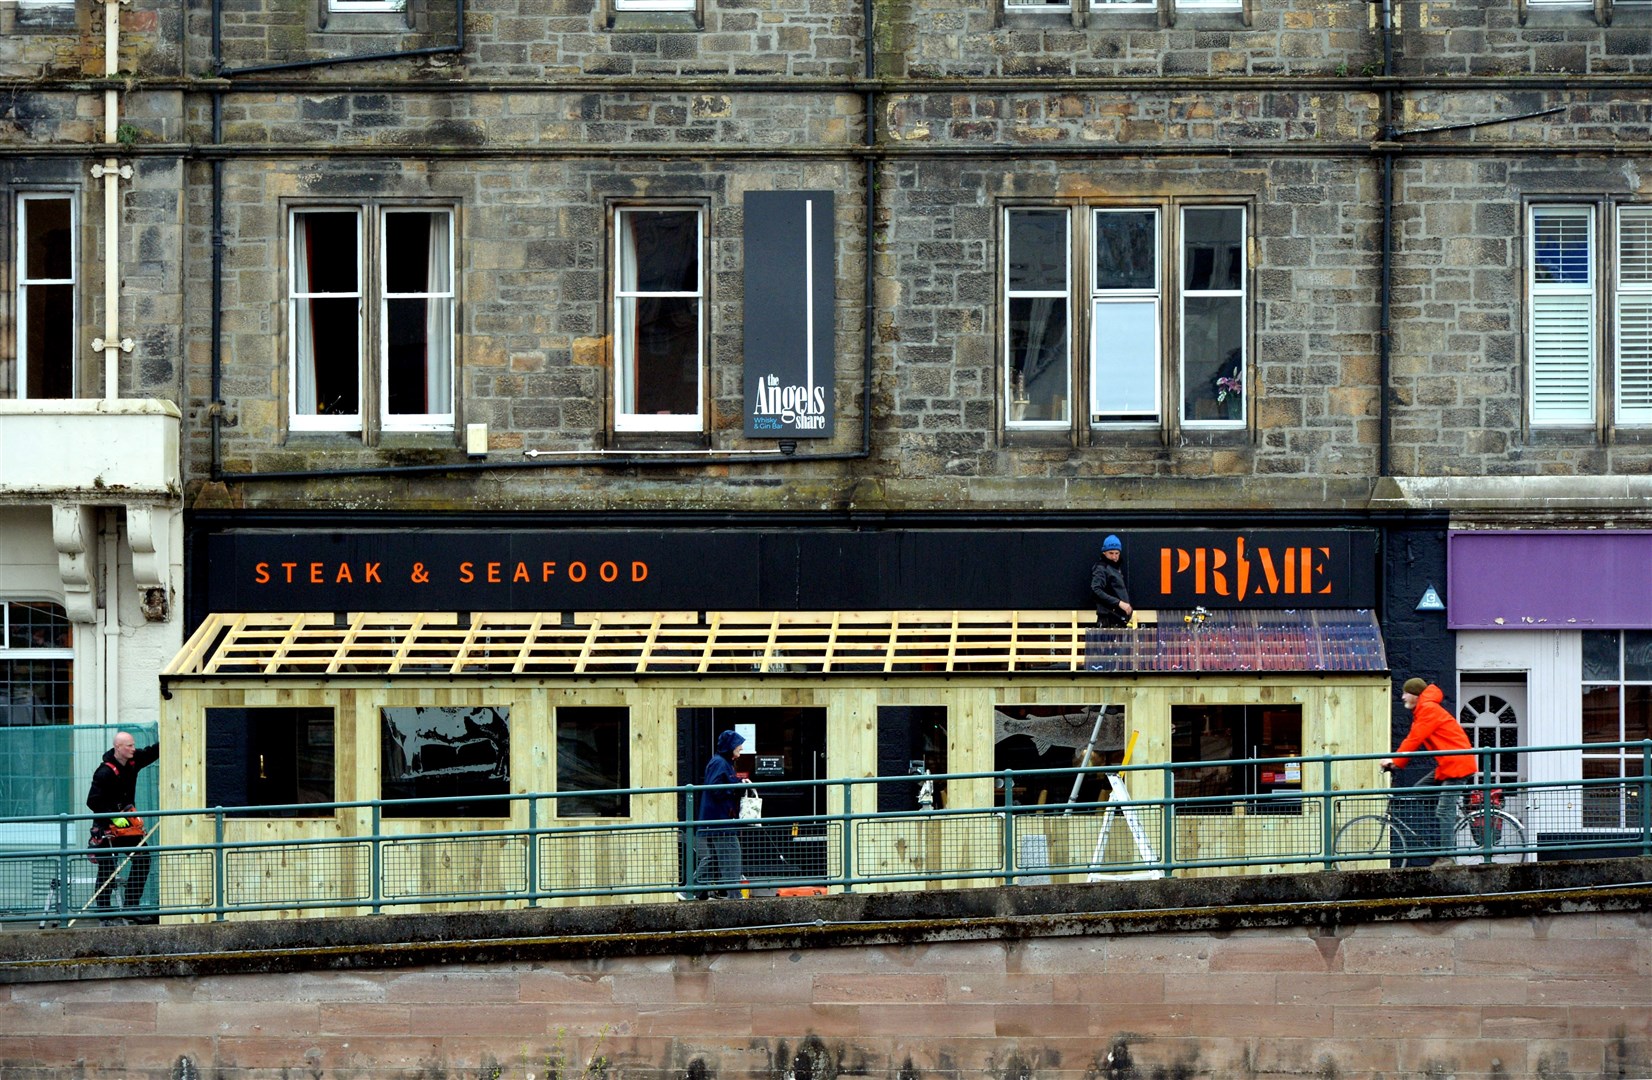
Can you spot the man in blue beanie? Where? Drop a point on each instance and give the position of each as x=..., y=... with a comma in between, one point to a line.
x=717, y=847
x=1107, y=582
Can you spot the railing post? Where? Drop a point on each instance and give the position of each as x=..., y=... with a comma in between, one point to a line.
x=533, y=851
x=64, y=825
x=1009, y=827
x=1327, y=815
x=688, y=840
x=220, y=876
x=848, y=818
x=1646, y=797
x=377, y=861
x=1167, y=842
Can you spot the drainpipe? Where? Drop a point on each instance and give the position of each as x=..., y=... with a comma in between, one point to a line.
x=1385, y=332
x=111, y=344
x=110, y=557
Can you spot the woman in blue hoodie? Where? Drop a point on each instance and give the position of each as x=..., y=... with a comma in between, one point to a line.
x=717, y=847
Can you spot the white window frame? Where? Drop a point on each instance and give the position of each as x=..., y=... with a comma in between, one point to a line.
x=1561, y=393
x=1209, y=5
x=373, y=380
x=25, y=283
x=1137, y=343
x=654, y=5
x=8, y=653
x=1134, y=297
x=1016, y=392
x=1057, y=6
x=1184, y=293
x=314, y=421
x=434, y=420
x=626, y=418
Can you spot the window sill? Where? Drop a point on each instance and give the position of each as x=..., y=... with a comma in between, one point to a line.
x=1038, y=438
x=658, y=440
x=1150, y=435
x=655, y=22
x=366, y=22
x=1561, y=436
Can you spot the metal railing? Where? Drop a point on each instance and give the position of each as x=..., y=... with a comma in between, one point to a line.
x=1197, y=818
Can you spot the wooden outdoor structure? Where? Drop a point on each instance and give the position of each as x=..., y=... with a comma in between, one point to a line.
x=848, y=664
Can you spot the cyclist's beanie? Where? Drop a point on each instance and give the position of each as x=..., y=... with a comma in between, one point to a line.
x=1415, y=686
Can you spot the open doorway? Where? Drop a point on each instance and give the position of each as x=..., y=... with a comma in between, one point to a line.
x=785, y=746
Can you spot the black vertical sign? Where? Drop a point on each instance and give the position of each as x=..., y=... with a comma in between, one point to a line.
x=790, y=312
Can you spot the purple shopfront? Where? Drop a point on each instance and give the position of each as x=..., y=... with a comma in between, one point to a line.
x=1554, y=647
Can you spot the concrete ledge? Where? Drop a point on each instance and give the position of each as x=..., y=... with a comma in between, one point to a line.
x=1327, y=900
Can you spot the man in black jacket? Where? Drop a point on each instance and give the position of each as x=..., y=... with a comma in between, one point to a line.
x=1107, y=582
x=114, y=785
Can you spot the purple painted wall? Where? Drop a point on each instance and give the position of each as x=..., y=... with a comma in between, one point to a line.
x=1549, y=580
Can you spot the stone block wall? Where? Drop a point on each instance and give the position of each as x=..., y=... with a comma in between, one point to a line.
x=1548, y=996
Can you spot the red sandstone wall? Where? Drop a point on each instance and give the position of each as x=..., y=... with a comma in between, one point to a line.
x=1552, y=998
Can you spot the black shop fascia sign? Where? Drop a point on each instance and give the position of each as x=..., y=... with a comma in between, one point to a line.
x=783, y=570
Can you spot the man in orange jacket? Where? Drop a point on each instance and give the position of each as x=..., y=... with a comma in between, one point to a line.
x=1433, y=728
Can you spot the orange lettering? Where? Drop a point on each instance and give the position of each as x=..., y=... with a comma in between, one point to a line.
x=639, y=571
x=608, y=572
x=547, y=571
x=315, y=574
x=493, y=573
x=289, y=567
x=521, y=573
x=1269, y=571
x=1241, y=568
x=465, y=575
x=371, y=573
x=261, y=573
x=343, y=575
x=1218, y=580
x=576, y=572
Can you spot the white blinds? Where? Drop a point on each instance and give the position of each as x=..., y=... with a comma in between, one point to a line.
x=1562, y=330
x=1634, y=316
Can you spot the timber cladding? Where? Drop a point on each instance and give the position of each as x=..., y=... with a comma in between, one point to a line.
x=1340, y=713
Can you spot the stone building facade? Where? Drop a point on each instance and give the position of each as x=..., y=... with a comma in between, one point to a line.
x=1096, y=266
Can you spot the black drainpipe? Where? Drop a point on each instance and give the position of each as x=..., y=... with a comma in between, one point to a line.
x=1385, y=331
x=601, y=461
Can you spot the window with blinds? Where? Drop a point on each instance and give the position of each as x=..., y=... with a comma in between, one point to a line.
x=1561, y=317
x=1633, y=316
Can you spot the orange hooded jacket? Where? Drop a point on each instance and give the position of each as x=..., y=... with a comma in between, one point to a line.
x=1432, y=728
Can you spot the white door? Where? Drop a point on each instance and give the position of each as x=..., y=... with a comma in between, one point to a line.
x=1494, y=716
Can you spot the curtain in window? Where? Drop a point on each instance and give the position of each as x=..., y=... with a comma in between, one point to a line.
x=303, y=328
x=439, y=317
x=625, y=319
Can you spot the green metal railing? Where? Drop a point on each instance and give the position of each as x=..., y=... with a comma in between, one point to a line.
x=1322, y=813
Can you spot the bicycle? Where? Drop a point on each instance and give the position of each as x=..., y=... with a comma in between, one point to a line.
x=1481, y=833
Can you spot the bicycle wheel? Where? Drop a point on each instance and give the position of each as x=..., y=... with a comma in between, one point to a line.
x=1370, y=836
x=1494, y=836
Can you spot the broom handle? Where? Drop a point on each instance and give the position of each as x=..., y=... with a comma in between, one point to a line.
x=113, y=874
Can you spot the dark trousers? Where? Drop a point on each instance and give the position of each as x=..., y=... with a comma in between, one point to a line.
x=1436, y=820
x=717, y=857
x=137, y=874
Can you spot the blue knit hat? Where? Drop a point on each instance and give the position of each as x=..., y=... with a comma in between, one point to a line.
x=1112, y=543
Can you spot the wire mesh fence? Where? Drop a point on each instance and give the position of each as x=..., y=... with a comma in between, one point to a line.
x=361, y=857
